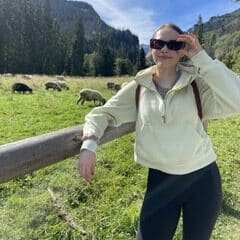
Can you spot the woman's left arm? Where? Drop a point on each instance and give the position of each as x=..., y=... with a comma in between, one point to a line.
x=223, y=84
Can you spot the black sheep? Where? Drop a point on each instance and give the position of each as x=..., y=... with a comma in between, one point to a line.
x=21, y=87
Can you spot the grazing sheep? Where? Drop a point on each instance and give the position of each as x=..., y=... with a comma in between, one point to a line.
x=110, y=85
x=28, y=77
x=117, y=87
x=8, y=75
x=21, y=87
x=53, y=85
x=87, y=94
x=59, y=77
x=63, y=85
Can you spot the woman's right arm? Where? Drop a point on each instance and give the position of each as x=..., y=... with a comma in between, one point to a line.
x=119, y=109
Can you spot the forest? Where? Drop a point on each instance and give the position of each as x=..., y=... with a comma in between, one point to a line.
x=35, y=40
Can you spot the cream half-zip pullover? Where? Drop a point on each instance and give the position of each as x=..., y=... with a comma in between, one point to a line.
x=169, y=134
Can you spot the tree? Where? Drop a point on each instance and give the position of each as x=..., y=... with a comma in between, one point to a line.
x=2, y=38
x=123, y=66
x=141, y=61
x=229, y=60
x=93, y=64
x=236, y=66
x=107, y=62
x=33, y=42
x=50, y=38
x=10, y=36
x=199, y=30
x=107, y=56
x=86, y=65
x=77, y=56
x=31, y=18
x=209, y=44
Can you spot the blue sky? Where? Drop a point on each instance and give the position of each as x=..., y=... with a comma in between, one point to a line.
x=143, y=17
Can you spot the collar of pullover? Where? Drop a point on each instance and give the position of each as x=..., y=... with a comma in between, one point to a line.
x=188, y=73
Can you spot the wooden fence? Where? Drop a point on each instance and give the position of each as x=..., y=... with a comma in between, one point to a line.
x=25, y=156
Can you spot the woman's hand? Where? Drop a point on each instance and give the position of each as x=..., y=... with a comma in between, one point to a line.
x=193, y=45
x=86, y=164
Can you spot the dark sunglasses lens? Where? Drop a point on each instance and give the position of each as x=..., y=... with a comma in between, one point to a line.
x=156, y=44
x=174, y=45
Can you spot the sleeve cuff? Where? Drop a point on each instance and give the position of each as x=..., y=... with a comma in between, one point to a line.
x=90, y=145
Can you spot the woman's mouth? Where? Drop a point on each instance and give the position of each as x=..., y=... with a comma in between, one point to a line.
x=164, y=57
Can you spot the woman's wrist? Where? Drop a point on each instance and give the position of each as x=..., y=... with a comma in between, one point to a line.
x=195, y=52
x=93, y=137
x=89, y=144
x=201, y=59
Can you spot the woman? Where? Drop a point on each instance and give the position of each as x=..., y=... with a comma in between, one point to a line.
x=170, y=138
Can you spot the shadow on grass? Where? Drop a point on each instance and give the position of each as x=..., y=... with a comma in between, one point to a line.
x=229, y=210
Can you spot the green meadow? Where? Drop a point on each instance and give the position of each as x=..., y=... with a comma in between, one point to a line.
x=108, y=208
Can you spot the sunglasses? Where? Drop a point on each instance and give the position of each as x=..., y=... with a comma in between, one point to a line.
x=171, y=45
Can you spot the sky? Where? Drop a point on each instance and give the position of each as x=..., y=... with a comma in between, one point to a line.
x=143, y=17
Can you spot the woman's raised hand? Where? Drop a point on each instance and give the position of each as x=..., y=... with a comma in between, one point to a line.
x=193, y=45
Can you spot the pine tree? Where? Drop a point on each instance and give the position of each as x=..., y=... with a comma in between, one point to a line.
x=141, y=60
x=107, y=64
x=213, y=40
x=93, y=64
x=236, y=66
x=9, y=9
x=123, y=66
x=29, y=37
x=199, y=30
x=50, y=40
x=2, y=38
x=77, y=56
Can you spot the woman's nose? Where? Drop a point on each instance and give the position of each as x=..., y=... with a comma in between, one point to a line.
x=164, y=48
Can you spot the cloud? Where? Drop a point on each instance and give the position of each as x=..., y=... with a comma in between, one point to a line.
x=142, y=18
x=122, y=15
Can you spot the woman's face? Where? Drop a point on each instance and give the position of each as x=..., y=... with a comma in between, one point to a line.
x=165, y=57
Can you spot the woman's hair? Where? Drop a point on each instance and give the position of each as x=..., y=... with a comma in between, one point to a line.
x=166, y=25
x=169, y=25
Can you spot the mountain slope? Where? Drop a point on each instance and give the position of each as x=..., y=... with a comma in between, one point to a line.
x=228, y=23
x=65, y=13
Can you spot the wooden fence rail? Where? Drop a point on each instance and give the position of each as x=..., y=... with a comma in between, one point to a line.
x=25, y=156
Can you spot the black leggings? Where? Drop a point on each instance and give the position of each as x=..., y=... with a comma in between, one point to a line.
x=198, y=195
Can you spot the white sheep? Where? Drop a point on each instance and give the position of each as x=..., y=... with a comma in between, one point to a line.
x=28, y=77
x=59, y=77
x=8, y=75
x=88, y=94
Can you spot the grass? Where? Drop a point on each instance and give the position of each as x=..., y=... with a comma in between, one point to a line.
x=108, y=208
